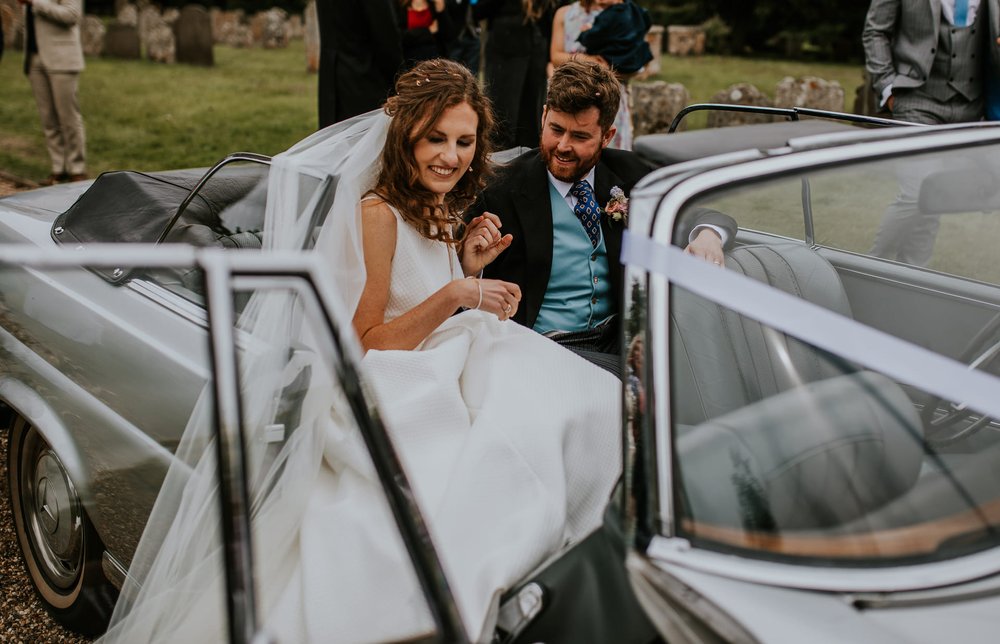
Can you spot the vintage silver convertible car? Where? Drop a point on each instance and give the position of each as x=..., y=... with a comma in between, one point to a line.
x=810, y=445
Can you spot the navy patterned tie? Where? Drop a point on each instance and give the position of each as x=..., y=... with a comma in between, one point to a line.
x=587, y=210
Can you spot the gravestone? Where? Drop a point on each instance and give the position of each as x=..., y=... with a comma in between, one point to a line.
x=268, y=28
x=157, y=36
x=295, y=27
x=685, y=40
x=311, y=38
x=122, y=41
x=230, y=28
x=13, y=29
x=809, y=92
x=654, y=37
x=92, y=32
x=655, y=104
x=739, y=94
x=149, y=20
x=128, y=15
x=193, y=35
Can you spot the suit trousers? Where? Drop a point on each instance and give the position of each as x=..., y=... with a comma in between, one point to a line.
x=906, y=234
x=62, y=122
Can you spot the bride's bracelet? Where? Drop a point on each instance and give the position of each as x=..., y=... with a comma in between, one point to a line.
x=479, y=284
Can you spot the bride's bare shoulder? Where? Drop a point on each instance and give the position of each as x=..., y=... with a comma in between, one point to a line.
x=373, y=205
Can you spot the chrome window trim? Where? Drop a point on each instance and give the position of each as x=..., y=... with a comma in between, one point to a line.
x=174, y=302
x=659, y=224
x=665, y=552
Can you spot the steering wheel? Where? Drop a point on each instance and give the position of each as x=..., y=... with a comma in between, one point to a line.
x=958, y=421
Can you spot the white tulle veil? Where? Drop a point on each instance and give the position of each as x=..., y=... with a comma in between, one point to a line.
x=175, y=585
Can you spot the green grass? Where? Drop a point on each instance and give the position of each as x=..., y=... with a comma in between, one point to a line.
x=848, y=205
x=147, y=116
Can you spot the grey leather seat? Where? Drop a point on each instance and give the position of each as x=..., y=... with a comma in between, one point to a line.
x=773, y=433
x=724, y=361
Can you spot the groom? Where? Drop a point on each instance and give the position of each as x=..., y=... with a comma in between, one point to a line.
x=559, y=236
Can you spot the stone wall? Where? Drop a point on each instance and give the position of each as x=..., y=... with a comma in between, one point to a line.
x=685, y=40
x=810, y=92
x=739, y=94
x=655, y=104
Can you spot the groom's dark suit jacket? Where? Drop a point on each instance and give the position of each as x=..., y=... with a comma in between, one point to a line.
x=519, y=195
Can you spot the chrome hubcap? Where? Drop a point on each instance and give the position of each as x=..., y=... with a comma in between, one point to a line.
x=52, y=511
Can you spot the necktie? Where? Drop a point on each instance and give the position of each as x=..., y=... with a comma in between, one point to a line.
x=587, y=210
x=961, y=12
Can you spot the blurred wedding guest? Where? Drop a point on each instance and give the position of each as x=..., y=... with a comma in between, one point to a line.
x=516, y=55
x=618, y=35
x=360, y=55
x=426, y=28
x=464, y=47
x=53, y=60
x=616, y=40
x=922, y=58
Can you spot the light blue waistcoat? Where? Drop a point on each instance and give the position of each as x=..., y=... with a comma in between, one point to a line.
x=578, y=295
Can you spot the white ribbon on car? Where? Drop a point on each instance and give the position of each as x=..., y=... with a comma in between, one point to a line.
x=880, y=351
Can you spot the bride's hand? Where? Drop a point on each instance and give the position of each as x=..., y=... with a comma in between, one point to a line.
x=483, y=242
x=495, y=296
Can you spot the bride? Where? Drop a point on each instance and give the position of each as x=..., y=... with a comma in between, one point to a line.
x=510, y=442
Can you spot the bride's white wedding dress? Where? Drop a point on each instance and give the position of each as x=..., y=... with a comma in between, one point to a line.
x=510, y=442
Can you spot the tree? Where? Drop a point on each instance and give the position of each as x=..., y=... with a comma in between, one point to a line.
x=828, y=29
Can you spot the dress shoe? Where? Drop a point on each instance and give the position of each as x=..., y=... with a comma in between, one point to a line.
x=54, y=178
x=78, y=177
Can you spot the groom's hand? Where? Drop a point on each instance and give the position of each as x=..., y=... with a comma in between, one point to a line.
x=482, y=243
x=708, y=245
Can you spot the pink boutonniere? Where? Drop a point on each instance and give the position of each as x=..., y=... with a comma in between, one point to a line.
x=617, y=208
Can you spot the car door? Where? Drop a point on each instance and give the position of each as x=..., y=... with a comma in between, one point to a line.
x=278, y=415
x=811, y=428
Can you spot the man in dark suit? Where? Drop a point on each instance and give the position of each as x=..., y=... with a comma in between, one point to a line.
x=516, y=53
x=360, y=54
x=570, y=275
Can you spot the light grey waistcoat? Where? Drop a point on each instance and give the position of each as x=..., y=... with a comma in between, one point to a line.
x=958, y=63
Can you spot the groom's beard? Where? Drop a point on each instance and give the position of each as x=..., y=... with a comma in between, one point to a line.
x=573, y=173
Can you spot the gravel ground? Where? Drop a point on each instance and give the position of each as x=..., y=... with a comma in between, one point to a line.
x=22, y=618
x=9, y=184
x=7, y=187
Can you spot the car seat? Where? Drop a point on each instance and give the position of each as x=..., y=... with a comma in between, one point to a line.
x=773, y=433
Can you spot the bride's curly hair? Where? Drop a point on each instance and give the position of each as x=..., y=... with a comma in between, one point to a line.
x=422, y=96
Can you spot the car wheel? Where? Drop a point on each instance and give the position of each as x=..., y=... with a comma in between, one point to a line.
x=61, y=549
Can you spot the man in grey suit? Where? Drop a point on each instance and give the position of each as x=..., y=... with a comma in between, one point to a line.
x=992, y=81
x=53, y=60
x=925, y=59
